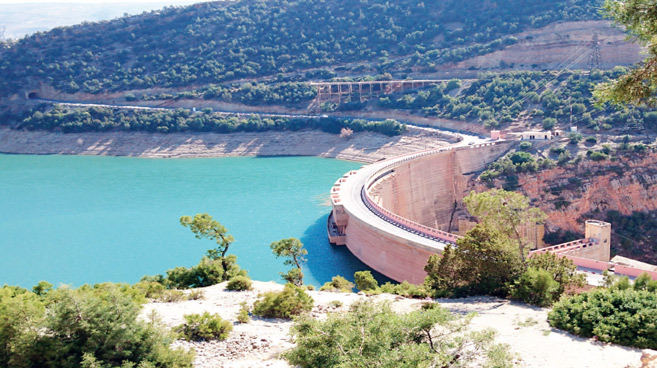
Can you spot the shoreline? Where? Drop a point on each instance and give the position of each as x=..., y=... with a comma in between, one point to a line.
x=364, y=147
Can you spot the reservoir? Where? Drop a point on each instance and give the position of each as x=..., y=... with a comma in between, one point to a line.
x=90, y=219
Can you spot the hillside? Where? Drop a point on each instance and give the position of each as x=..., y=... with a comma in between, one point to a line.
x=217, y=42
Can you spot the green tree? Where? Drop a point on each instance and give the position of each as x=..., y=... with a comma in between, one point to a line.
x=506, y=211
x=88, y=327
x=372, y=335
x=291, y=249
x=205, y=227
x=485, y=261
x=365, y=281
x=639, y=86
x=561, y=269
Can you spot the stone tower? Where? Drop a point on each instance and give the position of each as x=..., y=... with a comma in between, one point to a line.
x=600, y=231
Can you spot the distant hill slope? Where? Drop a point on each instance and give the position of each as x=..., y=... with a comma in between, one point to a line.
x=216, y=42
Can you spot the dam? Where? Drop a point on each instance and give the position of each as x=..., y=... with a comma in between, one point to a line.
x=394, y=214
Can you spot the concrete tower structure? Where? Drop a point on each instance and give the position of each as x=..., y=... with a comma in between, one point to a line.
x=599, y=231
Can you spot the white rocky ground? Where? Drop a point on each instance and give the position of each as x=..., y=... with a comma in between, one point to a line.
x=258, y=343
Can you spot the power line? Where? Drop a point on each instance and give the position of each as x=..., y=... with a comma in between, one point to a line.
x=595, y=62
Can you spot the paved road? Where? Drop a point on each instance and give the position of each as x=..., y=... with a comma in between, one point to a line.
x=150, y=108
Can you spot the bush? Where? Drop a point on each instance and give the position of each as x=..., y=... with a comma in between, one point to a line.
x=598, y=156
x=336, y=303
x=243, y=315
x=338, y=284
x=90, y=326
x=525, y=146
x=574, y=138
x=171, y=296
x=372, y=335
x=405, y=289
x=202, y=327
x=196, y=295
x=208, y=272
x=535, y=286
x=292, y=301
x=365, y=281
x=239, y=283
x=625, y=317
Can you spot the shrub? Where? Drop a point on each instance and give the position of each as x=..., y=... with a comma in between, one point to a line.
x=549, y=123
x=525, y=146
x=598, y=156
x=290, y=302
x=196, y=295
x=171, y=296
x=206, y=326
x=89, y=326
x=574, y=138
x=535, y=286
x=243, y=315
x=239, y=283
x=338, y=284
x=625, y=317
x=336, y=303
x=405, y=289
x=365, y=281
x=372, y=335
x=591, y=140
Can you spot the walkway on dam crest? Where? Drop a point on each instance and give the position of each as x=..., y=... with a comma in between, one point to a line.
x=353, y=197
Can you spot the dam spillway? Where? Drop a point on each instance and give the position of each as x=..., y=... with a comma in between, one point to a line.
x=394, y=214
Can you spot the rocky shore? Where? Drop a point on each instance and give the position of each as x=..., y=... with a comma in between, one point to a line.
x=260, y=342
x=362, y=147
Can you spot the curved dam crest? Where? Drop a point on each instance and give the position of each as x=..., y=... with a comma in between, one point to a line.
x=393, y=215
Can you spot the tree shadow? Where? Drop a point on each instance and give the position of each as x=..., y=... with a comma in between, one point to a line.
x=326, y=260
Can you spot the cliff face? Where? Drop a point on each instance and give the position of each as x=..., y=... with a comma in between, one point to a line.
x=590, y=190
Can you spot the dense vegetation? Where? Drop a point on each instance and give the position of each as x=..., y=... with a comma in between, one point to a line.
x=101, y=119
x=87, y=327
x=287, y=93
x=542, y=98
x=215, y=42
x=622, y=314
x=491, y=259
x=371, y=335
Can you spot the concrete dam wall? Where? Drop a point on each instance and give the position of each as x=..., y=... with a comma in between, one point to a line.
x=425, y=190
x=394, y=214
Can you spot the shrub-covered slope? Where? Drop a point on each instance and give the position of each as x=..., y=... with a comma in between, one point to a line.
x=220, y=41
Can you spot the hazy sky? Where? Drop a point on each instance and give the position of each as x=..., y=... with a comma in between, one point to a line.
x=96, y=1
x=20, y=18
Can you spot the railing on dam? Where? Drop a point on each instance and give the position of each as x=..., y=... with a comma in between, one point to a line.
x=402, y=222
x=568, y=247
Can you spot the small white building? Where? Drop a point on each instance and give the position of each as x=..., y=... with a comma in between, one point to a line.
x=531, y=136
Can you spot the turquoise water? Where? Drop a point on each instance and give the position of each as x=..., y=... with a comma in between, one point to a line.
x=76, y=219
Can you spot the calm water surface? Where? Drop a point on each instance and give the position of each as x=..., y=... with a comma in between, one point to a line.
x=76, y=220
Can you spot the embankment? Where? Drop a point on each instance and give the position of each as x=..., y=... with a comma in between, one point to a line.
x=362, y=147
